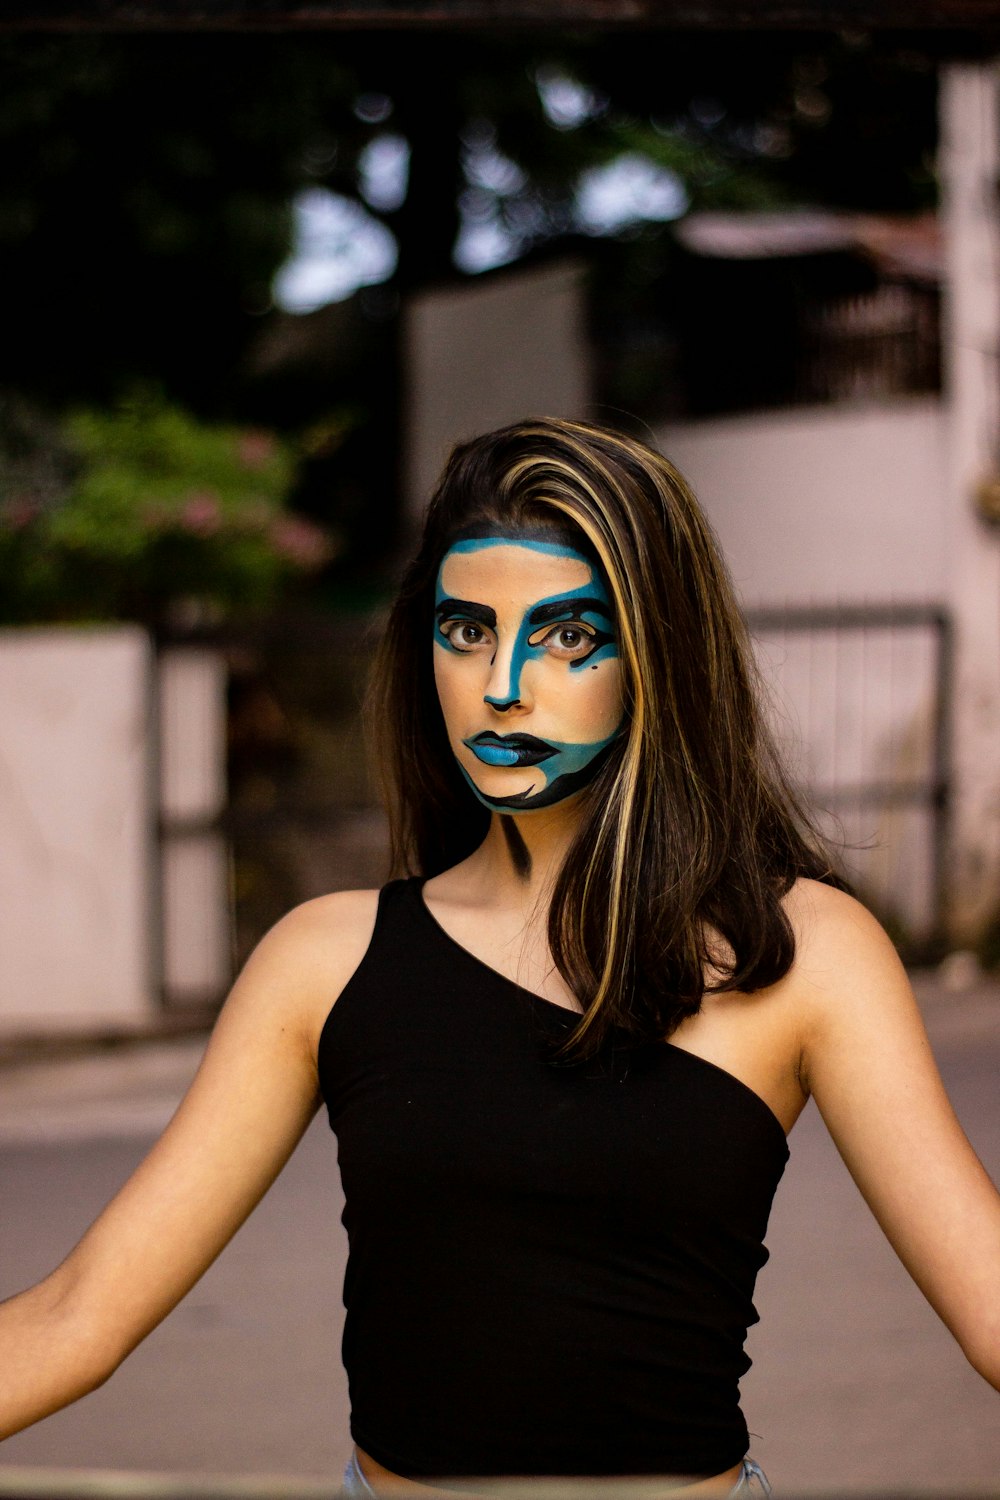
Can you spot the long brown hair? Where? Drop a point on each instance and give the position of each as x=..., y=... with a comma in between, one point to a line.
x=690, y=833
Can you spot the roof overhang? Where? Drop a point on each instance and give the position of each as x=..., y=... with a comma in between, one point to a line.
x=980, y=17
x=908, y=247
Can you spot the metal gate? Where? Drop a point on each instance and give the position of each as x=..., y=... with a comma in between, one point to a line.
x=860, y=702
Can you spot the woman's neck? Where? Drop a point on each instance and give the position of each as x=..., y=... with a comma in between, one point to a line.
x=522, y=854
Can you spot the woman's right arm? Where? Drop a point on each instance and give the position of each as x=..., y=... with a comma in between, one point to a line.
x=254, y=1094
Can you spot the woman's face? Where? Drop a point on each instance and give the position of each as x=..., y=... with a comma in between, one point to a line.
x=527, y=668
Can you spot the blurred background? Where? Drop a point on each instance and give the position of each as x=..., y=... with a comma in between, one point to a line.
x=260, y=272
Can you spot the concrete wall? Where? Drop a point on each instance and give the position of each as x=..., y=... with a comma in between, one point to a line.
x=825, y=504
x=76, y=856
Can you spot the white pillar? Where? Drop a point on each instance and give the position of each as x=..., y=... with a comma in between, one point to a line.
x=196, y=958
x=970, y=169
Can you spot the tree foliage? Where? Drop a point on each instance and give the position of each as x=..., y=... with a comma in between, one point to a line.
x=144, y=510
x=148, y=180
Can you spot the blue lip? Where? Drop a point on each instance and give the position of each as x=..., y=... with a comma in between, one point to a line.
x=496, y=755
x=510, y=750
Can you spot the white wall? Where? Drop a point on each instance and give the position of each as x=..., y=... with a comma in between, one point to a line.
x=824, y=504
x=76, y=828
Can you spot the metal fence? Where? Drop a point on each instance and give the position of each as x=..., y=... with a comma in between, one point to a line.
x=860, y=701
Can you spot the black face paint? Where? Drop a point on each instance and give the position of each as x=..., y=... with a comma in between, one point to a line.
x=562, y=786
x=467, y=608
x=517, y=848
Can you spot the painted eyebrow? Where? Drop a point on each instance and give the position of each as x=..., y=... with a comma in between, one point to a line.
x=576, y=606
x=480, y=612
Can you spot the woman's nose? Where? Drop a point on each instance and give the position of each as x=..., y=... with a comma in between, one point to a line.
x=505, y=688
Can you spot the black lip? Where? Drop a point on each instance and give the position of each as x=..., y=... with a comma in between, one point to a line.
x=531, y=750
x=513, y=741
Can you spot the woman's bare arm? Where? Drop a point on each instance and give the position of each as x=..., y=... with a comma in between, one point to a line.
x=868, y=1062
x=253, y=1096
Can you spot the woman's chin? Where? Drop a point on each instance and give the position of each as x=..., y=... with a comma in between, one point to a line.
x=505, y=782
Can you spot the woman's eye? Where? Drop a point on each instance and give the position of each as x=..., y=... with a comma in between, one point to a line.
x=569, y=641
x=463, y=634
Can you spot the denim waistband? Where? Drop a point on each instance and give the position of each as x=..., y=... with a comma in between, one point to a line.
x=753, y=1482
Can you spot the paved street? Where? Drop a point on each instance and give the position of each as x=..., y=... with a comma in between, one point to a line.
x=856, y=1386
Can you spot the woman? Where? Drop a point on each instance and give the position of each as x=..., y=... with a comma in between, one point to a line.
x=562, y=1059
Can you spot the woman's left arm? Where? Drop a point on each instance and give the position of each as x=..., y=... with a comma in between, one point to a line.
x=867, y=1061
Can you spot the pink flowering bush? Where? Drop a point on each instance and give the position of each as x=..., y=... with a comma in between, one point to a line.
x=163, y=515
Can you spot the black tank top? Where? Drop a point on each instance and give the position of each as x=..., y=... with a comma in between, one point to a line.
x=551, y=1268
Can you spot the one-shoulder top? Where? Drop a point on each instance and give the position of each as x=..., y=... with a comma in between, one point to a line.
x=551, y=1266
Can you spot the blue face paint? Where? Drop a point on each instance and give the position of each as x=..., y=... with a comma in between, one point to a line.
x=581, y=763
x=463, y=626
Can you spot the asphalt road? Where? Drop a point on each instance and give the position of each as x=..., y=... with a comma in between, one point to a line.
x=855, y=1387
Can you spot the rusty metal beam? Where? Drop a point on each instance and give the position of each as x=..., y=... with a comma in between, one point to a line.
x=960, y=16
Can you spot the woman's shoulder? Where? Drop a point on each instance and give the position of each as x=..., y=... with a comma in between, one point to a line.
x=832, y=927
x=332, y=930
x=846, y=969
x=307, y=958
